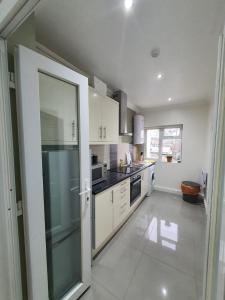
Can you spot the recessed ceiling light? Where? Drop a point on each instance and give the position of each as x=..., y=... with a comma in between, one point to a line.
x=128, y=4
x=164, y=291
x=169, y=99
x=95, y=95
x=159, y=76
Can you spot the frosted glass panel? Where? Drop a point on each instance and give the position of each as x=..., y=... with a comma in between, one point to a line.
x=61, y=182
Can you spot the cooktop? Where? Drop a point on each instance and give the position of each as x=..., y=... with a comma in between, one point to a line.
x=127, y=169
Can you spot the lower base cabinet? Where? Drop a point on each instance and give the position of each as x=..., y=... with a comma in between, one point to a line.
x=111, y=208
x=103, y=216
x=145, y=181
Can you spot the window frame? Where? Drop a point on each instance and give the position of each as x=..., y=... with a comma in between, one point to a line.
x=163, y=137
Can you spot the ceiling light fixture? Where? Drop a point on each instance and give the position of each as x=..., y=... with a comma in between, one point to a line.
x=164, y=292
x=95, y=95
x=159, y=76
x=128, y=4
x=169, y=99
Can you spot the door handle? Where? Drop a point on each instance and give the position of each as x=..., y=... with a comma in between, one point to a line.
x=86, y=191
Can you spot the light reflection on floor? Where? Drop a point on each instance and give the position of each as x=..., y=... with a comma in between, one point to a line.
x=164, y=231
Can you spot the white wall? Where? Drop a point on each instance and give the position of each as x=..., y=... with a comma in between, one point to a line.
x=195, y=144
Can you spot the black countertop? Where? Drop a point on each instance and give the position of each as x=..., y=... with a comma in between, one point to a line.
x=114, y=178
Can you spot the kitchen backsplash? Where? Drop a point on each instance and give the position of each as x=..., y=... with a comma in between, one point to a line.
x=111, y=154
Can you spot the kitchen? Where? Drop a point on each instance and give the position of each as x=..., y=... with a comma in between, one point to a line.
x=126, y=182
x=102, y=139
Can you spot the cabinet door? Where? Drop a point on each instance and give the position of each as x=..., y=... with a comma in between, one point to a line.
x=146, y=179
x=145, y=182
x=116, y=207
x=95, y=116
x=58, y=110
x=103, y=217
x=110, y=120
x=121, y=202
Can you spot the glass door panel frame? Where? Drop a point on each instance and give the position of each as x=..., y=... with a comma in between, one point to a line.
x=28, y=66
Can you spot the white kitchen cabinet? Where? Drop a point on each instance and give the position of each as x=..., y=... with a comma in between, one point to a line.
x=103, y=119
x=121, y=202
x=145, y=181
x=58, y=106
x=95, y=116
x=111, y=208
x=103, y=216
x=110, y=120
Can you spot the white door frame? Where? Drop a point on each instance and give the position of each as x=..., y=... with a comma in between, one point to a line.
x=8, y=207
x=216, y=181
x=19, y=12
x=28, y=64
x=10, y=278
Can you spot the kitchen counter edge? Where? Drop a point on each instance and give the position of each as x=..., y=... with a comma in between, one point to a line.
x=114, y=178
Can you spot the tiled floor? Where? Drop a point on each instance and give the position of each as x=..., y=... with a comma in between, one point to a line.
x=157, y=255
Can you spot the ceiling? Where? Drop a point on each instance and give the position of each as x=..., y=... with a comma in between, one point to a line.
x=102, y=38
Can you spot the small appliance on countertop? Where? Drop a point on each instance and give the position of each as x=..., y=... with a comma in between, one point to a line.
x=129, y=160
x=99, y=172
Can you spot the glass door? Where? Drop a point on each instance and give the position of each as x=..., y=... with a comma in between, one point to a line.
x=53, y=105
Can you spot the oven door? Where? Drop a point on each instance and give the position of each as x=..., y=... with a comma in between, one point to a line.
x=97, y=174
x=135, y=188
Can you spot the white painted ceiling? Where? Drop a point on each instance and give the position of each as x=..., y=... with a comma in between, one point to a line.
x=101, y=38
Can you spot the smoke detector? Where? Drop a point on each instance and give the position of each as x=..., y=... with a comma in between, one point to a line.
x=155, y=52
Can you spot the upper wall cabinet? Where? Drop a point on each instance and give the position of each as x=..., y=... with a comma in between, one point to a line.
x=58, y=101
x=103, y=119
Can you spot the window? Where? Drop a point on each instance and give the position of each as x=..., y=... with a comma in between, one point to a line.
x=164, y=143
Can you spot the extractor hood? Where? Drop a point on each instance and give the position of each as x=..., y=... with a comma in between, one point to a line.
x=121, y=97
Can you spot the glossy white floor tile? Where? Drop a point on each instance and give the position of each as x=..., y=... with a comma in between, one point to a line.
x=154, y=280
x=158, y=254
x=114, y=269
x=96, y=291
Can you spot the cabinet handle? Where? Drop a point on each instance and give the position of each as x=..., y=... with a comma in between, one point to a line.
x=104, y=132
x=112, y=196
x=73, y=129
x=100, y=132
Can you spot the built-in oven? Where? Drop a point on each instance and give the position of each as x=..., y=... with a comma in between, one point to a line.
x=135, y=188
x=99, y=173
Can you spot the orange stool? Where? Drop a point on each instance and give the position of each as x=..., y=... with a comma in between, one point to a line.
x=190, y=191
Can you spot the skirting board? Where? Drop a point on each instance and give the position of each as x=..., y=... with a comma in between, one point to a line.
x=177, y=192
x=167, y=190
